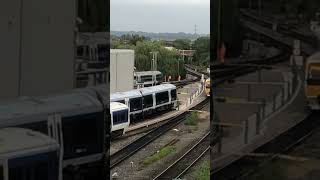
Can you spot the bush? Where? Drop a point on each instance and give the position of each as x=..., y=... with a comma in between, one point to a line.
x=159, y=155
x=192, y=119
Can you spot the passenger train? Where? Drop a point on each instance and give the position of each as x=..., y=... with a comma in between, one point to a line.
x=38, y=159
x=147, y=78
x=145, y=101
x=312, y=81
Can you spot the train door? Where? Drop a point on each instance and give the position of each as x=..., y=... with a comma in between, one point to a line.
x=55, y=132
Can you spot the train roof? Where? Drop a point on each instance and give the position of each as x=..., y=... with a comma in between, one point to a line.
x=25, y=109
x=314, y=58
x=159, y=88
x=15, y=142
x=144, y=73
x=114, y=106
x=128, y=94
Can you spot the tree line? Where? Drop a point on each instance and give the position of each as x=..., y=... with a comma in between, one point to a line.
x=169, y=62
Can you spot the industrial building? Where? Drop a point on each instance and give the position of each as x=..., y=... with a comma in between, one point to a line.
x=121, y=70
x=37, y=47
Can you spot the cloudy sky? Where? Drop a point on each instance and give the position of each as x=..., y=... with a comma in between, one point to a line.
x=160, y=15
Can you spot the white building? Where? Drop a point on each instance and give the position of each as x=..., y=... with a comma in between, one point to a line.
x=121, y=70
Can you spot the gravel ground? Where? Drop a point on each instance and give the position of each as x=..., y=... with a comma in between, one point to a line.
x=186, y=136
x=191, y=172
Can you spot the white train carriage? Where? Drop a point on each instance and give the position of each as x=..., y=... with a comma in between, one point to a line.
x=27, y=154
x=161, y=97
x=147, y=78
x=120, y=119
x=75, y=120
x=133, y=99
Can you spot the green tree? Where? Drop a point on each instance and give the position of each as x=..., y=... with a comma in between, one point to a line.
x=182, y=43
x=202, y=54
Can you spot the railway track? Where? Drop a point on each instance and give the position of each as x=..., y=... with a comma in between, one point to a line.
x=187, y=160
x=135, y=146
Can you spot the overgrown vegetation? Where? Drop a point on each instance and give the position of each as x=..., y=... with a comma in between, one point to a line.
x=192, y=120
x=203, y=172
x=159, y=155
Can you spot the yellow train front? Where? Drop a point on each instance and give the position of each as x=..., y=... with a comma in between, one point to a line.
x=207, y=87
x=312, y=81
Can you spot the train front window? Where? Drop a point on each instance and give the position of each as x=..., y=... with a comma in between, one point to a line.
x=120, y=117
x=83, y=135
x=159, y=77
x=147, y=101
x=173, y=94
x=36, y=167
x=162, y=97
x=121, y=101
x=135, y=104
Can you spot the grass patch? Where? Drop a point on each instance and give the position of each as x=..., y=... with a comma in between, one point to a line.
x=203, y=172
x=192, y=119
x=159, y=155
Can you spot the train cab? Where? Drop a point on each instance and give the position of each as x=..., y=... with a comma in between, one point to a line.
x=120, y=118
x=133, y=99
x=28, y=155
x=312, y=81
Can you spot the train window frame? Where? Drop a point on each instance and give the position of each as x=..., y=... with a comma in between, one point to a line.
x=173, y=91
x=115, y=121
x=133, y=106
x=147, y=101
x=162, y=101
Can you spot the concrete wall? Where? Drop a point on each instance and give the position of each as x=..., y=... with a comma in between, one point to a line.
x=37, y=56
x=121, y=70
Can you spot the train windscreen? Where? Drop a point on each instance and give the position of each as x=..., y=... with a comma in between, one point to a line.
x=162, y=97
x=36, y=167
x=83, y=135
x=159, y=77
x=120, y=117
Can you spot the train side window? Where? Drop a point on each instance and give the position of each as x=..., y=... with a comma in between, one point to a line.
x=147, y=101
x=159, y=77
x=135, y=104
x=162, y=97
x=173, y=94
